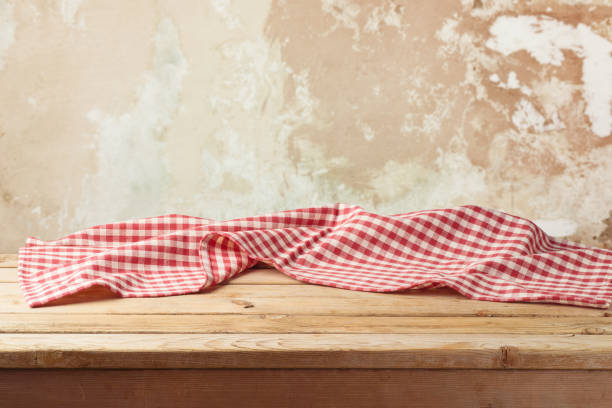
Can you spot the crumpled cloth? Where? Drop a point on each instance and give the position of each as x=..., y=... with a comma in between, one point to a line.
x=481, y=253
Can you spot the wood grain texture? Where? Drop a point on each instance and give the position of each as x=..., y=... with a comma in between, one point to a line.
x=482, y=351
x=8, y=260
x=264, y=319
x=278, y=323
x=290, y=299
x=339, y=388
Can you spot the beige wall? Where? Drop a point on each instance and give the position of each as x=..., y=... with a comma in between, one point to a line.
x=118, y=109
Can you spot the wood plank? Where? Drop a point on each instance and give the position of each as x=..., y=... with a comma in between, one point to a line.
x=8, y=274
x=291, y=299
x=477, y=351
x=255, y=276
x=8, y=260
x=306, y=388
x=235, y=323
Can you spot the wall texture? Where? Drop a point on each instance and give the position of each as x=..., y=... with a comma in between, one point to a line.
x=112, y=110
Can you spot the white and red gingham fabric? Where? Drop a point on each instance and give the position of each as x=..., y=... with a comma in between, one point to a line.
x=481, y=253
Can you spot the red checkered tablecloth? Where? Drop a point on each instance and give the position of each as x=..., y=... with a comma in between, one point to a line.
x=481, y=253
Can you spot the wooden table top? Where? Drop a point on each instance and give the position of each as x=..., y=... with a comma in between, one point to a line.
x=264, y=319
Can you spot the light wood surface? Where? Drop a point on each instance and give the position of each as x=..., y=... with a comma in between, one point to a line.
x=262, y=298
x=8, y=260
x=283, y=323
x=264, y=329
x=265, y=317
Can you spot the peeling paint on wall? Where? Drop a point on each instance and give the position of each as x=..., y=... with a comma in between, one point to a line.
x=389, y=14
x=558, y=228
x=344, y=13
x=69, y=9
x=545, y=39
x=526, y=117
x=230, y=108
x=605, y=237
x=222, y=7
x=7, y=29
x=131, y=170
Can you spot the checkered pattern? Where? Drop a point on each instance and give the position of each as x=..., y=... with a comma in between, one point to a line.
x=481, y=253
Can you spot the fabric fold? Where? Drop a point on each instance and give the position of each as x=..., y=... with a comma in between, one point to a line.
x=481, y=253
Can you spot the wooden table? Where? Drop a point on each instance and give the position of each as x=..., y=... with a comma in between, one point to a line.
x=266, y=340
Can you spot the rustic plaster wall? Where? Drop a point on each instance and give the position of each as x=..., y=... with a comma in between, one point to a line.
x=118, y=109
